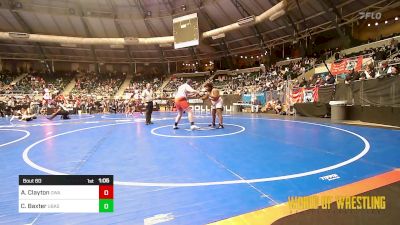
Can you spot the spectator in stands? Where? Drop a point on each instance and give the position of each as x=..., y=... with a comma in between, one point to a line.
x=270, y=105
x=383, y=70
x=348, y=78
x=369, y=72
x=329, y=79
x=104, y=85
x=352, y=76
x=319, y=81
x=393, y=70
x=278, y=107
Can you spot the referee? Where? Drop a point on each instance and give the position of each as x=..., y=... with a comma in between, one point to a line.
x=147, y=96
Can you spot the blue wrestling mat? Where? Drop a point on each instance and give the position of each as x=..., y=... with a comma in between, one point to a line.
x=189, y=177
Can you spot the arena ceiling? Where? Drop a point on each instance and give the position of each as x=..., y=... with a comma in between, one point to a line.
x=150, y=18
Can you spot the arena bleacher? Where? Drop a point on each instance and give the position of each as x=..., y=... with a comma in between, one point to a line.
x=384, y=63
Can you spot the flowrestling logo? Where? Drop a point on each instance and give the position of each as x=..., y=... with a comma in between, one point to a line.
x=370, y=15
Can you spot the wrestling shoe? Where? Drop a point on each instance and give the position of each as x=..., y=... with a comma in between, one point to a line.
x=220, y=126
x=194, y=127
x=175, y=127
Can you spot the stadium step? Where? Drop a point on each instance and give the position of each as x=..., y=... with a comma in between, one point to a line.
x=211, y=78
x=69, y=87
x=166, y=81
x=20, y=77
x=123, y=86
x=307, y=75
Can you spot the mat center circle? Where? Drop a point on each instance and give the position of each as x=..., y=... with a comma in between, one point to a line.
x=204, y=131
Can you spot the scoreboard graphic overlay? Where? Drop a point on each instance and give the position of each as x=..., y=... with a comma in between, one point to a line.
x=186, y=31
x=66, y=193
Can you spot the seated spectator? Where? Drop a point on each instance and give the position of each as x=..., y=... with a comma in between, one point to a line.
x=393, y=70
x=352, y=76
x=383, y=70
x=369, y=72
x=348, y=78
x=278, y=107
x=270, y=105
x=329, y=79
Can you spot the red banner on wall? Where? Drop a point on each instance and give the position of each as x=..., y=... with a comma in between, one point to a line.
x=345, y=66
x=297, y=95
x=300, y=95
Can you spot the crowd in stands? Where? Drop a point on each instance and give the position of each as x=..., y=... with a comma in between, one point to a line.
x=384, y=63
x=94, y=93
x=176, y=82
x=315, y=80
x=370, y=72
x=24, y=106
x=273, y=78
x=90, y=95
x=6, y=77
x=98, y=85
x=137, y=86
x=37, y=83
x=90, y=105
x=378, y=53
